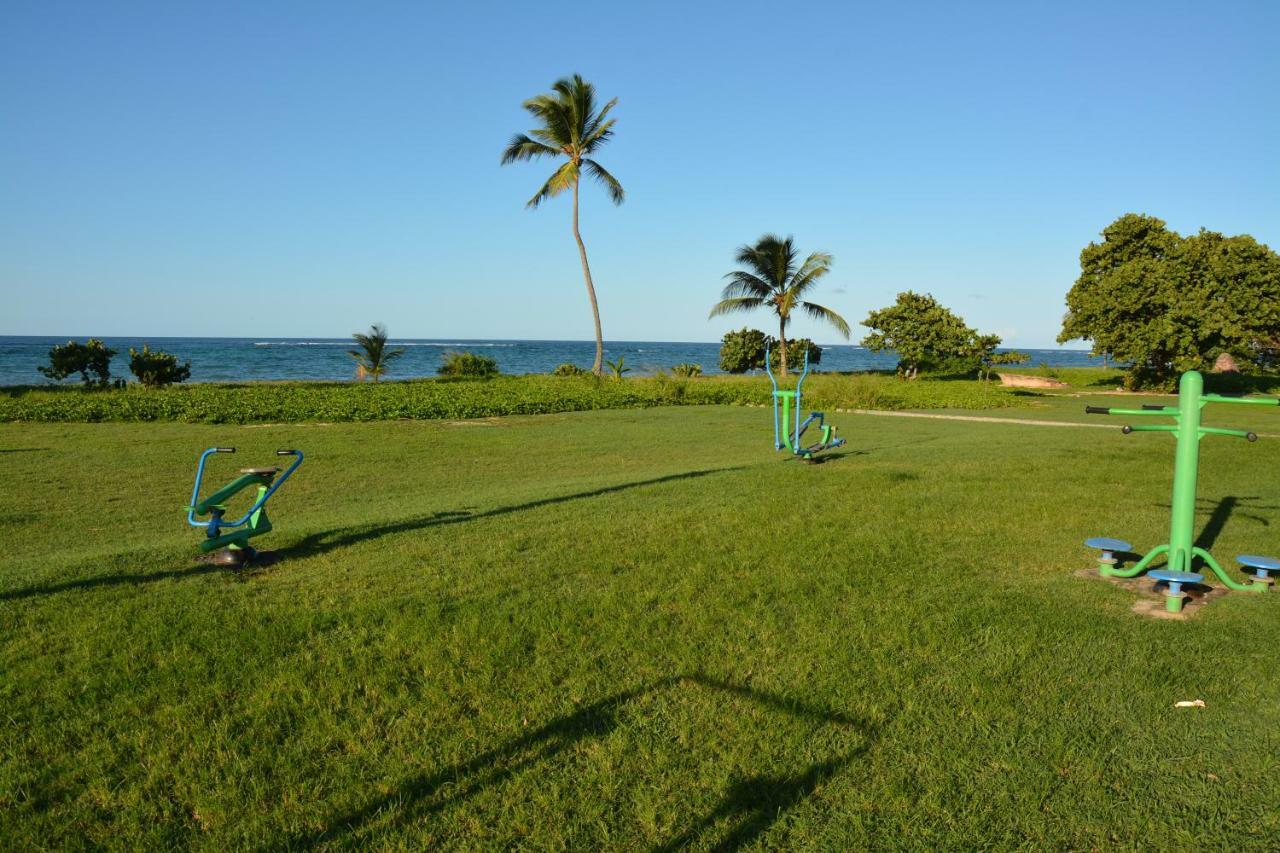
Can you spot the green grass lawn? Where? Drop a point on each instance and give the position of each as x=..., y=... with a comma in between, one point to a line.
x=635, y=629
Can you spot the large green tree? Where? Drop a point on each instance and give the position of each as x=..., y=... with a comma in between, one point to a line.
x=923, y=332
x=772, y=279
x=570, y=126
x=1167, y=304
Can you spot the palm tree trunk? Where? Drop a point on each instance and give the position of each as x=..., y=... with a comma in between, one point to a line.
x=591, y=288
x=782, y=344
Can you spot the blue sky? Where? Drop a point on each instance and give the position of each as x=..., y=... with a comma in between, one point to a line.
x=306, y=169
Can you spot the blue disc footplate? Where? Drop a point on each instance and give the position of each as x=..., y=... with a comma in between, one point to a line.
x=1175, y=577
x=1256, y=562
x=1106, y=543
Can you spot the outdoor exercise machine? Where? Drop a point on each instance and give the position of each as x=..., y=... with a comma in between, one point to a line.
x=784, y=435
x=1181, y=549
x=231, y=538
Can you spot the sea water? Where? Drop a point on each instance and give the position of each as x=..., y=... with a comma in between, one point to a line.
x=256, y=359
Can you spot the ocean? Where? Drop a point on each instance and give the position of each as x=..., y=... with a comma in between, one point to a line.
x=247, y=359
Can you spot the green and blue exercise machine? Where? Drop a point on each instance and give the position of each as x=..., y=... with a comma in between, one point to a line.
x=230, y=539
x=784, y=434
x=1180, y=551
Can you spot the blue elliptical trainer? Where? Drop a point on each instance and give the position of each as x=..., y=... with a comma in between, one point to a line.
x=783, y=434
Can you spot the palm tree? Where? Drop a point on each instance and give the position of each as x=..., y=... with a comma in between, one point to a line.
x=569, y=127
x=373, y=356
x=773, y=280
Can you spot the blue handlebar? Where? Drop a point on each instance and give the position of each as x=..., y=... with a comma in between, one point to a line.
x=257, y=505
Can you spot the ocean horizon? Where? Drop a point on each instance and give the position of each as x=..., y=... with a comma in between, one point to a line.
x=270, y=358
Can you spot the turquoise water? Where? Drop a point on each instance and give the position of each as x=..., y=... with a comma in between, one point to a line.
x=241, y=359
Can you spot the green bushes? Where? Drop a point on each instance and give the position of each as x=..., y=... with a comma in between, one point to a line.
x=294, y=402
x=156, y=368
x=468, y=365
x=686, y=370
x=569, y=369
x=91, y=360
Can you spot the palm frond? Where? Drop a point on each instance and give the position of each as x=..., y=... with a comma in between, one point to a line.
x=611, y=185
x=814, y=267
x=521, y=147
x=743, y=283
x=730, y=306
x=598, y=131
x=562, y=179
x=826, y=315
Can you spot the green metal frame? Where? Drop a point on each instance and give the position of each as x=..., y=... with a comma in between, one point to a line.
x=1181, y=548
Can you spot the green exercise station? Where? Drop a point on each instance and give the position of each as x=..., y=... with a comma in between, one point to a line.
x=229, y=540
x=1181, y=552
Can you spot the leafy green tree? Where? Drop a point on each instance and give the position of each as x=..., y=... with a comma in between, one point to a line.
x=570, y=126
x=1167, y=304
x=921, y=330
x=744, y=350
x=156, y=368
x=982, y=349
x=372, y=357
x=92, y=360
x=772, y=279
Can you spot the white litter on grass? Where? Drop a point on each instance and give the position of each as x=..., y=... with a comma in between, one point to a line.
x=1189, y=703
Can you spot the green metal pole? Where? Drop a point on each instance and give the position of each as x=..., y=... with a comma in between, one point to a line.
x=786, y=419
x=1185, y=471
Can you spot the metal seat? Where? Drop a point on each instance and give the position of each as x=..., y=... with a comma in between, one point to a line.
x=1262, y=566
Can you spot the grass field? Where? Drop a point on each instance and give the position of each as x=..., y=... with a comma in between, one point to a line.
x=637, y=629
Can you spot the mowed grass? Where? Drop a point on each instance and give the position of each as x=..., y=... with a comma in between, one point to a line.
x=629, y=630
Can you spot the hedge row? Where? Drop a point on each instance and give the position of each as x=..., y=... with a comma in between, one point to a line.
x=432, y=399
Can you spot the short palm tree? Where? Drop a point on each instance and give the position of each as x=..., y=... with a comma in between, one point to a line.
x=570, y=126
x=773, y=280
x=373, y=357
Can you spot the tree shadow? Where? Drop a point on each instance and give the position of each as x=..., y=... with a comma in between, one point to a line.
x=320, y=543
x=1222, y=511
x=756, y=803
x=22, y=449
x=325, y=541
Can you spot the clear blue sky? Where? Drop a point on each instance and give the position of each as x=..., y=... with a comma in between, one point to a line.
x=306, y=169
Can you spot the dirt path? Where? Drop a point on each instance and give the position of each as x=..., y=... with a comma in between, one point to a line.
x=988, y=420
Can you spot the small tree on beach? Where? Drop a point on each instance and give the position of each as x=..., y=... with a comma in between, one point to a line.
x=373, y=358
x=92, y=360
x=772, y=279
x=157, y=368
x=570, y=126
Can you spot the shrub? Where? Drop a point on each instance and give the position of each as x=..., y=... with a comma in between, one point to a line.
x=618, y=368
x=468, y=365
x=685, y=370
x=91, y=360
x=568, y=369
x=744, y=350
x=156, y=368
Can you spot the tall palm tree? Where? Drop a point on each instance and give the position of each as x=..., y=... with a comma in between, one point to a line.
x=773, y=280
x=373, y=357
x=569, y=126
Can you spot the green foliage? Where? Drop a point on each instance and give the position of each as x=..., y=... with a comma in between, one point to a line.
x=568, y=369
x=744, y=350
x=773, y=280
x=1167, y=304
x=372, y=357
x=92, y=360
x=468, y=365
x=924, y=334
x=156, y=368
x=335, y=402
x=618, y=368
x=686, y=370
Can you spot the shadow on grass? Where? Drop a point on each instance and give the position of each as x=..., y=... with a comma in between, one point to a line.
x=752, y=805
x=22, y=449
x=320, y=543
